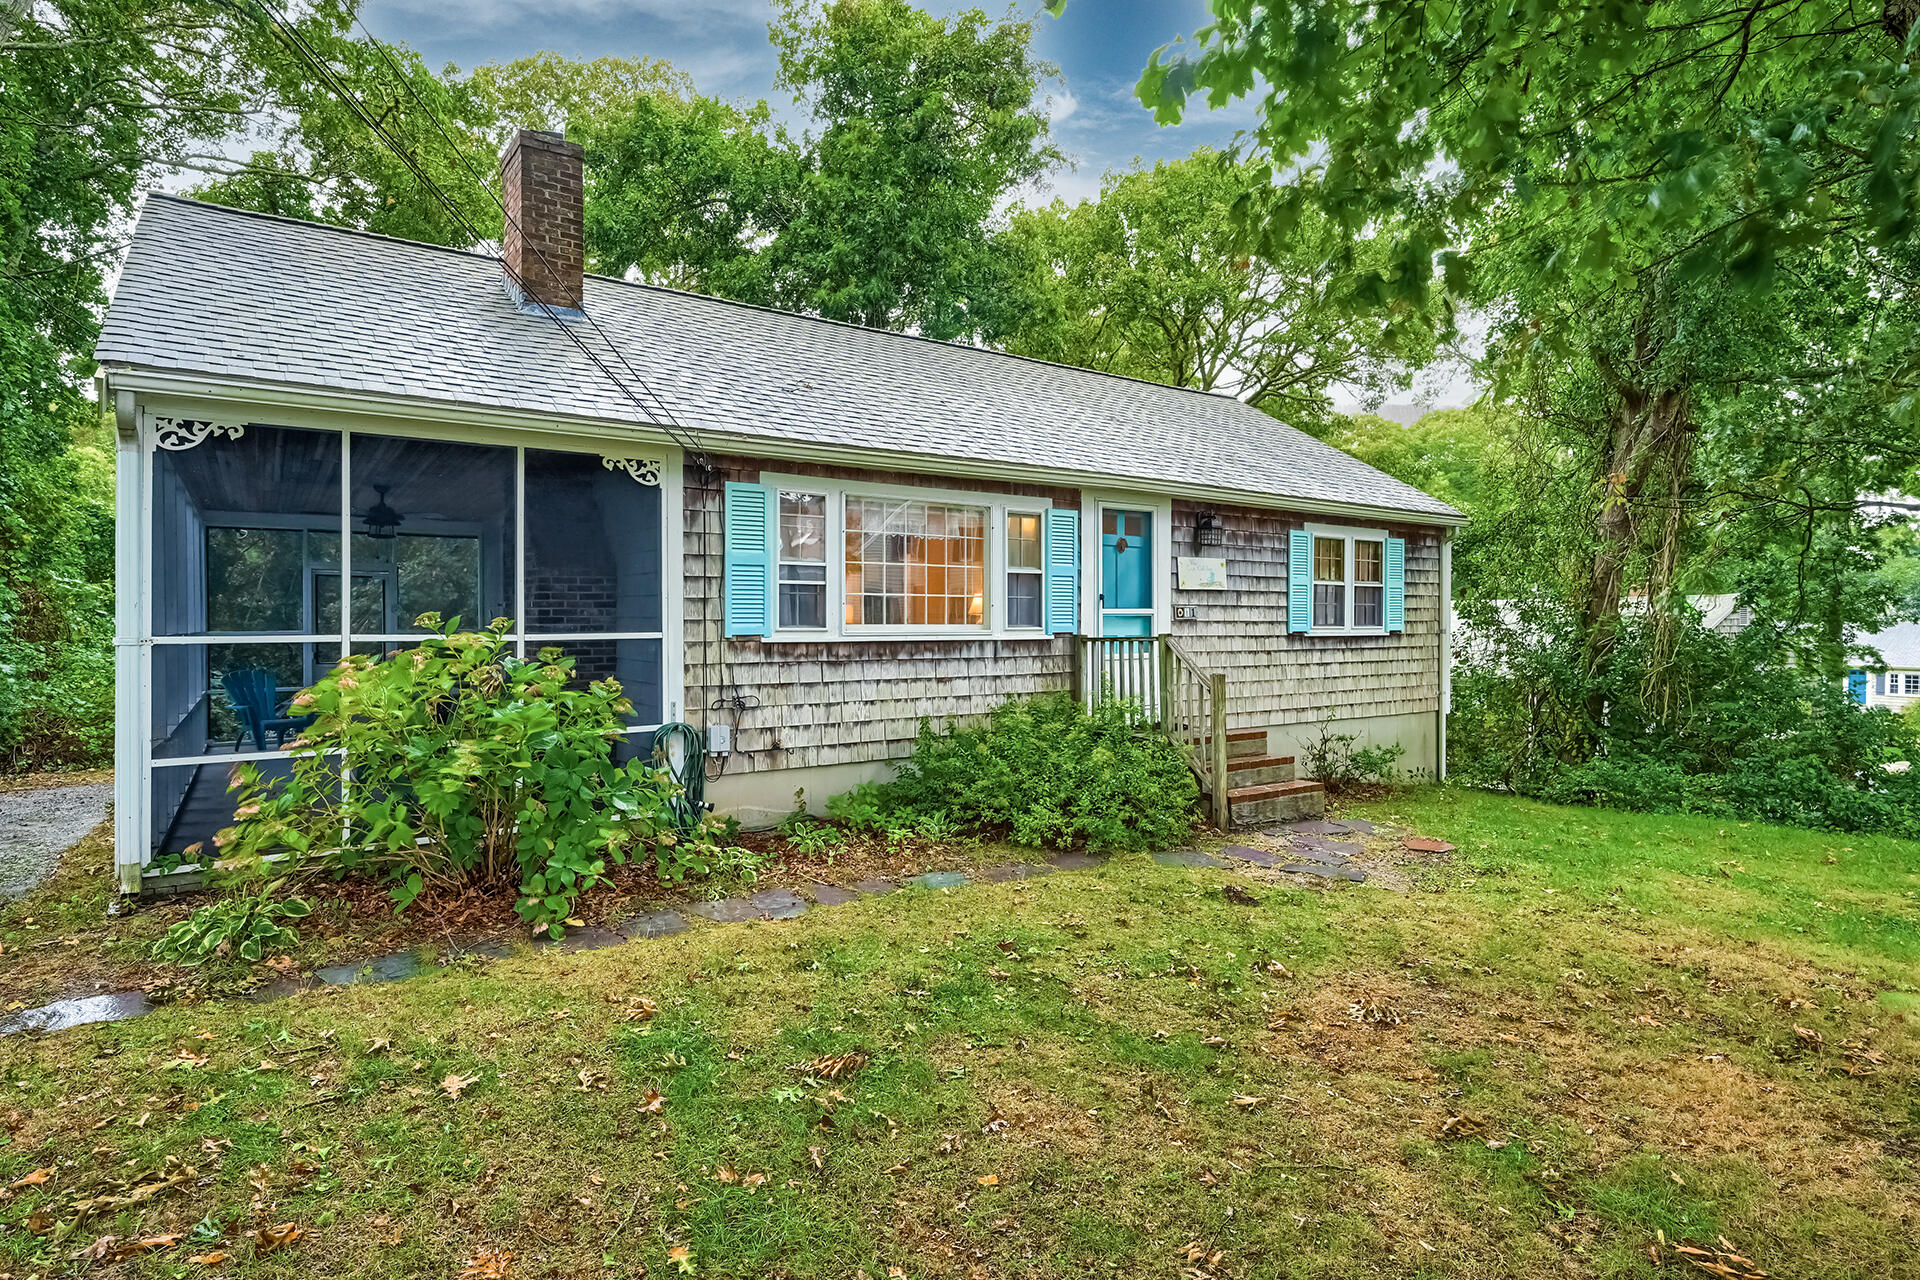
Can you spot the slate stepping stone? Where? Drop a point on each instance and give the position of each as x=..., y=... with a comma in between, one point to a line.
x=590, y=938
x=1317, y=827
x=1338, y=847
x=829, y=895
x=1354, y=874
x=726, y=910
x=1074, y=861
x=61, y=1014
x=1187, y=858
x=1301, y=849
x=1427, y=844
x=875, y=884
x=380, y=969
x=1244, y=853
x=939, y=880
x=280, y=989
x=655, y=924
x=780, y=904
x=1360, y=826
x=1015, y=871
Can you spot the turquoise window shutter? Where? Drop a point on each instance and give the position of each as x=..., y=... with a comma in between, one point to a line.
x=1300, y=581
x=1396, y=584
x=1063, y=571
x=749, y=585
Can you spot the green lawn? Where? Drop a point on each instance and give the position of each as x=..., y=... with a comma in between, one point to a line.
x=1587, y=1034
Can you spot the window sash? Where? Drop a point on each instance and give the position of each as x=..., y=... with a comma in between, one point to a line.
x=1349, y=580
x=910, y=562
x=803, y=520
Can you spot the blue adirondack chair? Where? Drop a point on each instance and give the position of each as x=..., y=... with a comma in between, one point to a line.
x=255, y=696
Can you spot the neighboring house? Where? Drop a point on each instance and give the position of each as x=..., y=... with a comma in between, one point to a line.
x=1895, y=681
x=804, y=538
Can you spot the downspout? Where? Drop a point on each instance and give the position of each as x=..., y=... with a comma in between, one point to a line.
x=132, y=789
x=1446, y=652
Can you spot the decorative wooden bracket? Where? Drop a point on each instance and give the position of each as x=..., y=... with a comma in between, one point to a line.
x=184, y=433
x=641, y=470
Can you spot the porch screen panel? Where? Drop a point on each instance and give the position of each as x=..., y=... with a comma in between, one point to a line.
x=190, y=805
x=231, y=526
x=434, y=531
x=593, y=547
x=217, y=694
x=636, y=664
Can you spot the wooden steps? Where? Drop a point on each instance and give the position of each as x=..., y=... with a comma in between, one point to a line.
x=1294, y=800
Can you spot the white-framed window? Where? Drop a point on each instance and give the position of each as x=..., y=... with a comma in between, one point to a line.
x=1910, y=683
x=900, y=561
x=803, y=560
x=914, y=563
x=1349, y=579
x=1026, y=549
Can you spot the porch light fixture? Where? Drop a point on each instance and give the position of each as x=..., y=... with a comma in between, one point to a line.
x=1206, y=529
x=383, y=521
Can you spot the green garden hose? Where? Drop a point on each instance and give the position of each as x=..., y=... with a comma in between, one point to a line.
x=690, y=771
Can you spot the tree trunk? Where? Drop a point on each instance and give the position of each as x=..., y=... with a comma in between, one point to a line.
x=1897, y=17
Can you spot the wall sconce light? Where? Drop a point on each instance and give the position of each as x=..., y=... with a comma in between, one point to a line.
x=1206, y=530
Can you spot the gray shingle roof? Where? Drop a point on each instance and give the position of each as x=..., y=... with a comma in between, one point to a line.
x=215, y=291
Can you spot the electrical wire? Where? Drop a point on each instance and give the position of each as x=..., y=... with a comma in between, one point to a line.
x=332, y=82
x=499, y=200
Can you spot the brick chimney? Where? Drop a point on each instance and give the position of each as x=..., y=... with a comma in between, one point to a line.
x=542, y=177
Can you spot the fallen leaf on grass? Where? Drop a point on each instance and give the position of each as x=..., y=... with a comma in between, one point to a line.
x=991, y=1180
x=681, y=1256
x=267, y=1239
x=33, y=1179
x=453, y=1084
x=1246, y=1101
x=113, y=1248
x=1460, y=1127
x=1722, y=1262
x=487, y=1264
x=818, y=1156
x=836, y=1066
x=653, y=1103
x=209, y=1259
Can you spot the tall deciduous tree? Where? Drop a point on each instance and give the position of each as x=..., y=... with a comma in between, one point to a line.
x=924, y=126
x=691, y=194
x=1153, y=281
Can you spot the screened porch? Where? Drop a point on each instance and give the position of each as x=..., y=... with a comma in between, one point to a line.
x=274, y=550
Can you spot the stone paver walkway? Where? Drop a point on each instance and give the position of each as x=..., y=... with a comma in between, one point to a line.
x=1301, y=850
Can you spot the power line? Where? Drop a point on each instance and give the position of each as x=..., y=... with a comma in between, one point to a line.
x=485, y=184
x=332, y=82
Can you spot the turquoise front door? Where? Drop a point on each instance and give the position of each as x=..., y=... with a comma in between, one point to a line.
x=1126, y=572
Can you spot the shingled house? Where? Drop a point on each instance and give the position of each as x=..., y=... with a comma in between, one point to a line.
x=797, y=535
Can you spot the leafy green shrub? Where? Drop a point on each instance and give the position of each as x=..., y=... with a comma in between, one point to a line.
x=466, y=765
x=1748, y=735
x=1332, y=760
x=245, y=926
x=1041, y=771
x=56, y=675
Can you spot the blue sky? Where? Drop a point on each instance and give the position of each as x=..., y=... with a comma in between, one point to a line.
x=1100, y=47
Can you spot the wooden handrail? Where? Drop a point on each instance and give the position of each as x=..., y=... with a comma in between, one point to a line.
x=1171, y=691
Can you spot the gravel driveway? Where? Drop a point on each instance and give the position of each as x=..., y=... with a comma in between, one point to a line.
x=38, y=824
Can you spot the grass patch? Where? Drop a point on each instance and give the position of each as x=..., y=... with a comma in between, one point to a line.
x=1587, y=1031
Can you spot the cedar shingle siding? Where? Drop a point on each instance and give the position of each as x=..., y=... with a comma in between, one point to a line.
x=851, y=702
x=843, y=702
x=1274, y=678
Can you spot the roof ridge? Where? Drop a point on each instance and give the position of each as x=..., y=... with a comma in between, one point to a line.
x=215, y=207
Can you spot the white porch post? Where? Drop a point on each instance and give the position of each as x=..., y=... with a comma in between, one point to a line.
x=132, y=789
x=1446, y=651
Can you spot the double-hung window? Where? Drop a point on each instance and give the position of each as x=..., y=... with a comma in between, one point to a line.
x=1025, y=570
x=803, y=560
x=1912, y=683
x=1349, y=580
